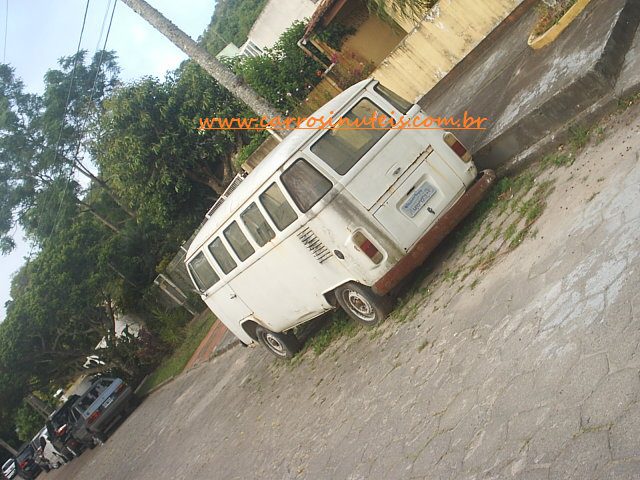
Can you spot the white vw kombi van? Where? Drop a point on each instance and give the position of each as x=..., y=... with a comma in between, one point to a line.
x=332, y=218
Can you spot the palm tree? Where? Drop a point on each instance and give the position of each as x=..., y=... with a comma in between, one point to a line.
x=203, y=58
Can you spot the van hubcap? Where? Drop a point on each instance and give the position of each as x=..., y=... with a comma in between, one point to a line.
x=274, y=344
x=360, y=306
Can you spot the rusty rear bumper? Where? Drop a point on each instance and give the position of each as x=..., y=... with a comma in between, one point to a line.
x=417, y=255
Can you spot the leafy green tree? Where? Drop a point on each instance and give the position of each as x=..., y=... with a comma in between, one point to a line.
x=28, y=422
x=152, y=152
x=230, y=23
x=41, y=141
x=284, y=75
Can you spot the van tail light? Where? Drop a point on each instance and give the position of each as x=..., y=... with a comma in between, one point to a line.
x=23, y=464
x=457, y=146
x=367, y=247
x=94, y=416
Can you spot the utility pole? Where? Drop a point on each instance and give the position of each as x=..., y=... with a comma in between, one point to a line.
x=8, y=448
x=38, y=405
x=202, y=57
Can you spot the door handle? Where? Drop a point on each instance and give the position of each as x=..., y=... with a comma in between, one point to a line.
x=232, y=296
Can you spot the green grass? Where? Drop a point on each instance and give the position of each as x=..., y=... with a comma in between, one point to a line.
x=548, y=15
x=557, y=160
x=339, y=326
x=511, y=230
x=600, y=133
x=627, y=102
x=174, y=364
x=578, y=137
x=517, y=240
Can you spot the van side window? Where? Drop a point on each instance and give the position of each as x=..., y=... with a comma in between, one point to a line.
x=277, y=207
x=202, y=273
x=222, y=256
x=393, y=98
x=305, y=184
x=257, y=225
x=238, y=241
x=343, y=146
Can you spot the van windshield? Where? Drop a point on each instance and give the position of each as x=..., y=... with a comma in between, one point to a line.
x=343, y=146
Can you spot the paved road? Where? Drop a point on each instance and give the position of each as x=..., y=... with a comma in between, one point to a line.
x=533, y=374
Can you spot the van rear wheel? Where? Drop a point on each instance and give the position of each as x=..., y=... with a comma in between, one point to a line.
x=282, y=345
x=362, y=305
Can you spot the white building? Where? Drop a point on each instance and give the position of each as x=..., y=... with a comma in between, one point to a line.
x=276, y=17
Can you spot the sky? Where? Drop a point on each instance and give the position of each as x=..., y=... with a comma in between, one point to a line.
x=39, y=32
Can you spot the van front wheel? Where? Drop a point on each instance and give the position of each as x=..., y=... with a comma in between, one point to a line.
x=362, y=305
x=282, y=345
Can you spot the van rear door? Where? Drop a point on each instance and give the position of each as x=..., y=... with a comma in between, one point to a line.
x=395, y=174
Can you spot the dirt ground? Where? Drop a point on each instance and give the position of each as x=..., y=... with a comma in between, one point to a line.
x=516, y=356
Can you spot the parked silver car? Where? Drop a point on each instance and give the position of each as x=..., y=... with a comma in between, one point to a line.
x=97, y=412
x=9, y=468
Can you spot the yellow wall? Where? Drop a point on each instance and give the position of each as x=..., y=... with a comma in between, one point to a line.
x=404, y=20
x=373, y=40
x=439, y=42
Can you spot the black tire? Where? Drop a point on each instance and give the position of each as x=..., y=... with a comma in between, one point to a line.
x=281, y=345
x=362, y=305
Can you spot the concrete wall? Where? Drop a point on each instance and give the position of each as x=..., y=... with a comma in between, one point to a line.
x=276, y=17
x=374, y=40
x=439, y=42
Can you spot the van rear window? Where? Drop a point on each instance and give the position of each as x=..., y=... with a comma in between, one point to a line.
x=343, y=146
x=238, y=241
x=393, y=98
x=222, y=256
x=202, y=272
x=278, y=207
x=305, y=184
x=257, y=225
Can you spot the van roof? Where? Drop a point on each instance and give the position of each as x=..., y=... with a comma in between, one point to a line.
x=267, y=167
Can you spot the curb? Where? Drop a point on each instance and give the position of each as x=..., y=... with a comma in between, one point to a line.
x=540, y=41
x=578, y=100
x=606, y=105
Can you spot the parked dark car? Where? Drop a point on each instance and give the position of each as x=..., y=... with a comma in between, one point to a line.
x=27, y=467
x=100, y=409
x=59, y=426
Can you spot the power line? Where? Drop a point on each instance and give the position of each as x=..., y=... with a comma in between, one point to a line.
x=6, y=28
x=104, y=22
x=92, y=93
x=66, y=103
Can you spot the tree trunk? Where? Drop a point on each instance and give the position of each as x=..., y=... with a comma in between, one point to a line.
x=198, y=54
x=8, y=448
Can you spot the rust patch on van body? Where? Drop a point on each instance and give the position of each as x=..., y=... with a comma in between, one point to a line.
x=440, y=229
